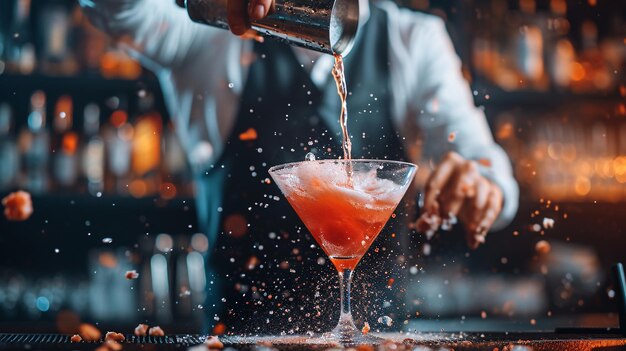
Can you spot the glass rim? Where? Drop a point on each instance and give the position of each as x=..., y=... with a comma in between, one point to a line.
x=360, y=160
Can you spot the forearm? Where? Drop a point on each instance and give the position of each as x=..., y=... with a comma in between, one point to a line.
x=156, y=29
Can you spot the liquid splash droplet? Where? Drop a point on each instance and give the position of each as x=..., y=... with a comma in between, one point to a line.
x=309, y=157
x=386, y=320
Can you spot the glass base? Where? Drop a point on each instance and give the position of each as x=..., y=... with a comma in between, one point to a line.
x=347, y=334
x=352, y=338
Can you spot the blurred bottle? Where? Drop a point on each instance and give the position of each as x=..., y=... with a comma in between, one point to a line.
x=91, y=43
x=54, y=27
x=93, y=150
x=20, y=49
x=146, y=151
x=145, y=250
x=174, y=166
x=190, y=277
x=599, y=73
x=182, y=294
x=3, y=34
x=111, y=297
x=563, y=63
x=196, y=269
x=8, y=150
x=65, y=144
x=118, y=136
x=589, y=35
x=560, y=51
x=530, y=46
x=34, y=144
x=161, y=268
x=558, y=7
x=528, y=6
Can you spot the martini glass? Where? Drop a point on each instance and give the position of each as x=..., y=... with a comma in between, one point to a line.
x=344, y=204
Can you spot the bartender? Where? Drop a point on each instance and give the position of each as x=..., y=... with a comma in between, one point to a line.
x=241, y=106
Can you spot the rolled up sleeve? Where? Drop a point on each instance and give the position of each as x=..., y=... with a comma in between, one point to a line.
x=158, y=30
x=199, y=67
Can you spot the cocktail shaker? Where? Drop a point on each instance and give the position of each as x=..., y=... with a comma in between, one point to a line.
x=328, y=26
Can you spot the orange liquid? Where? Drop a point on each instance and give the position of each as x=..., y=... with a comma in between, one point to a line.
x=342, y=90
x=343, y=226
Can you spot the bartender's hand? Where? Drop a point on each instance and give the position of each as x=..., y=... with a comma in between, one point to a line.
x=241, y=11
x=457, y=189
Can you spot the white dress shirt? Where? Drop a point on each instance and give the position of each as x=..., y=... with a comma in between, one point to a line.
x=202, y=72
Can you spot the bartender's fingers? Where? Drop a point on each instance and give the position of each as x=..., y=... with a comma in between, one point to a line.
x=428, y=223
x=489, y=216
x=258, y=9
x=483, y=188
x=470, y=229
x=475, y=207
x=237, y=17
x=252, y=34
x=439, y=178
x=462, y=185
x=474, y=210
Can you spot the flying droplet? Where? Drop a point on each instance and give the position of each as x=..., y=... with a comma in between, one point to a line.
x=309, y=157
x=548, y=223
x=107, y=240
x=543, y=247
x=386, y=320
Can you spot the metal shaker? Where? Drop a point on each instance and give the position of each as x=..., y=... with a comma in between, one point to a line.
x=328, y=26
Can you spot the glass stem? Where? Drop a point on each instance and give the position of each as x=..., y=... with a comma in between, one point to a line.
x=345, y=319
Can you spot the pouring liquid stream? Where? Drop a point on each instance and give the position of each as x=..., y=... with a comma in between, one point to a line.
x=346, y=144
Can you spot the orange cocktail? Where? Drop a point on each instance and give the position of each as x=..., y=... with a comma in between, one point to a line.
x=344, y=204
x=341, y=220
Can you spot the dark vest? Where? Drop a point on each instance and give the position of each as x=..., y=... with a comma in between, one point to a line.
x=270, y=271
